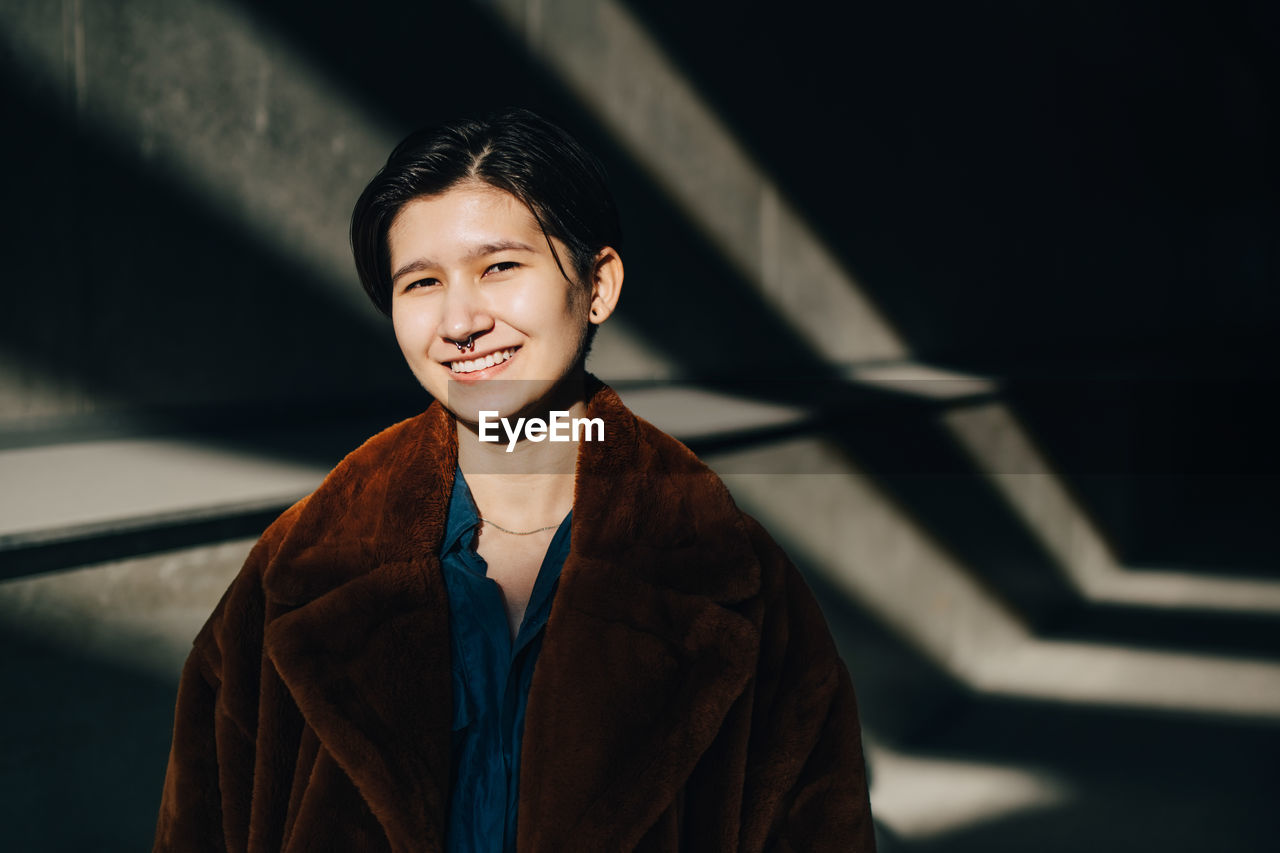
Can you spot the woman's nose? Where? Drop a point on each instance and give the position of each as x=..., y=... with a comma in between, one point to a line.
x=465, y=313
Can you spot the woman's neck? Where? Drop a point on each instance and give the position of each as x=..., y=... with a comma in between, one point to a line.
x=524, y=488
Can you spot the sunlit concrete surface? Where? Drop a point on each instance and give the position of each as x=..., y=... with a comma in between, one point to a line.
x=198, y=95
x=1122, y=676
x=607, y=58
x=692, y=413
x=921, y=797
x=139, y=614
x=921, y=380
x=114, y=64
x=808, y=493
x=76, y=489
x=824, y=510
x=28, y=393
x=622, y=355
x=604, y=55
x=1004, y=454
x=285, y=151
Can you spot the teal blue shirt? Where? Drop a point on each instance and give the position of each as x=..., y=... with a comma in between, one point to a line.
x=491, y=678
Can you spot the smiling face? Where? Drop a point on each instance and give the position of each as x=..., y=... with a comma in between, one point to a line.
x=471, y=264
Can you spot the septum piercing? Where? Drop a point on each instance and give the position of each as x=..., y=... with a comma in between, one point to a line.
x=469, y=346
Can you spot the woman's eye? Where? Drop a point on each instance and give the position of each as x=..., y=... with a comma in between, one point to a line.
x=502, y=266
x=422, y=282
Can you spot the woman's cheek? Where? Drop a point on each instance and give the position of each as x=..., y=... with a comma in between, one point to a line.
x=411, y=327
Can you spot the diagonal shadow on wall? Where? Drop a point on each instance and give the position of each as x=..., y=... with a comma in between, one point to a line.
x=1077, y=199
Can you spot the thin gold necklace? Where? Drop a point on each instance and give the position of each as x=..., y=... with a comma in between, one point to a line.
x=518, y=532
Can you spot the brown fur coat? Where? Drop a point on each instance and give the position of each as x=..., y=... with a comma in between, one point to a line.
x=687, y=696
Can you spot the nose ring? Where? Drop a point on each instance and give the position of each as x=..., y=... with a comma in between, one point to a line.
x=470, y=345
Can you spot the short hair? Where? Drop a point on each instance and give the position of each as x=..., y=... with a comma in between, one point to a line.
x=518, y=151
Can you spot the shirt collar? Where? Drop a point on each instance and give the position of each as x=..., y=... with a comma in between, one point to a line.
x=462, y=517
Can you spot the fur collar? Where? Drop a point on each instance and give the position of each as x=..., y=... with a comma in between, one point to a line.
x=645, y=649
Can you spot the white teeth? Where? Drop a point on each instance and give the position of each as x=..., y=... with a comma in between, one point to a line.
x=481, y=363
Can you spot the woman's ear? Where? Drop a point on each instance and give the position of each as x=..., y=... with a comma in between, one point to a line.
x=606, y=284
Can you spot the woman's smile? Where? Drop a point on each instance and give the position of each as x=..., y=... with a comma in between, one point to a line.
x=470, y=368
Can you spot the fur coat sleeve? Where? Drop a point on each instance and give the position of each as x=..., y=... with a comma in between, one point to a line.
x=687, y=696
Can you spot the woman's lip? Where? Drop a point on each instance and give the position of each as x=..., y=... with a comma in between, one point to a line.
x=472, y=356
x=485, y=373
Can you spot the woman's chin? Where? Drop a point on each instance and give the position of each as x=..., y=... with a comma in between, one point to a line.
x=496, y=398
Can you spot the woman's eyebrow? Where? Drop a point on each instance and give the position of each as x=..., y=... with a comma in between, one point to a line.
x=500, y=246
x=478, y=252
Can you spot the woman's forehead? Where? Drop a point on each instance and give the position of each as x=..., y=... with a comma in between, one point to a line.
x=462, y=210
x=461, y=223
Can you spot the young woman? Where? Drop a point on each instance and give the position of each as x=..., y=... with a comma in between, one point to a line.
x=523, y=644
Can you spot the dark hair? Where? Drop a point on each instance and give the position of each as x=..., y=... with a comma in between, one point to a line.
x=558, y=180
